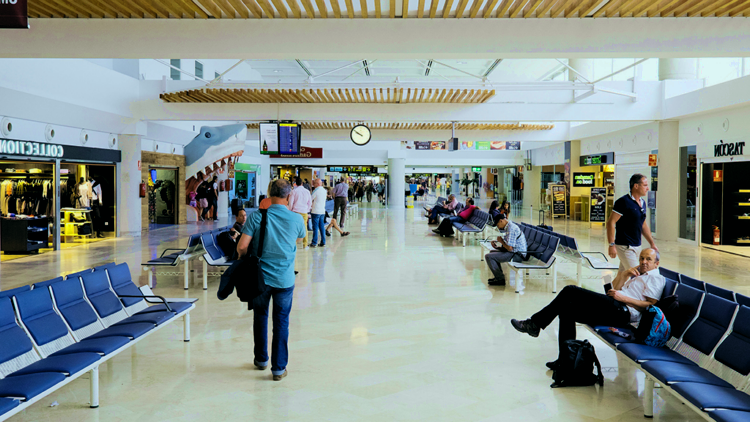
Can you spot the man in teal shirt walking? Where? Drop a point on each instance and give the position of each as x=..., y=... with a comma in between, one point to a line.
x=283, y=229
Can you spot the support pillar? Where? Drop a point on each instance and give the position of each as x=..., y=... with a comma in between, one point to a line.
x=583, y=66
x=669, y=188
x=129, y=202
x=396, y=176
x=678, y=69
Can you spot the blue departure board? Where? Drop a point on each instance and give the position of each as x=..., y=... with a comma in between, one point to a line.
x=289, y=138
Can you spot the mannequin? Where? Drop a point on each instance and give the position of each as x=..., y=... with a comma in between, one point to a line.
x=96, y=202
x=84, y=190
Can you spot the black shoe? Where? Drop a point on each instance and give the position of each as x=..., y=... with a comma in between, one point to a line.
x=526, y=326
x=496, y=282
x=436, y=231
x=328, y=234
x=553, y=365
x=312, y=245
x=321, y=245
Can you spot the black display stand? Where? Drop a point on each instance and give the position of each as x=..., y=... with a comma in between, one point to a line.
x=742, y=213
x=24, y=235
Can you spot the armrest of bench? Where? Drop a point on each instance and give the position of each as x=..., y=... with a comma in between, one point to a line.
x=164, y=301
x=170, y=249
x=148, y=294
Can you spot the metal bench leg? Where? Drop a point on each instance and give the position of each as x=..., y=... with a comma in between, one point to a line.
x=187, y=274
x=186, y=325
x=481, y=254
x=578, y=273
x=648, y=398
x=554, y=277
x=94, y=384
x=463, y=239
x=519, y=280
x=149, y=281
x=205, y=275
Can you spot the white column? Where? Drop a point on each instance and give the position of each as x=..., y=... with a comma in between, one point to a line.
x=583, y=66
x=678, y=69
x=396, y=175
x=668, y=193
x=128, y=184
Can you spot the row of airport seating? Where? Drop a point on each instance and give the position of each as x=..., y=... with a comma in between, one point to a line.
x=54, y=331
x=705, y=362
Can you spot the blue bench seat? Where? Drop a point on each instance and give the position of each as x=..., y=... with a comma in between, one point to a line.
x=672, y=372
x=723, y=415
x=705, y=396
x=6, y=405
x=63, y=364
x=26, y=387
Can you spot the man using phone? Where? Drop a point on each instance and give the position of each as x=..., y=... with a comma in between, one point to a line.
x=632, y=292
x=505, y=250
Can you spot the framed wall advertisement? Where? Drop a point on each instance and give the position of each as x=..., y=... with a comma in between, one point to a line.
x=598, y=207
x=558, y=200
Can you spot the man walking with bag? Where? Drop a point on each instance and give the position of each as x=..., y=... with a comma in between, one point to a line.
x=340, y=193
x=283, y=229
x=300, y=202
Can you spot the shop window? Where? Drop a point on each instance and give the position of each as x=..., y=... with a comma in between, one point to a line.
x=688, y=192
x=174, y=74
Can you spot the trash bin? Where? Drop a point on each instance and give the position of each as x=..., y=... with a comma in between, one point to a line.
x=409, y=202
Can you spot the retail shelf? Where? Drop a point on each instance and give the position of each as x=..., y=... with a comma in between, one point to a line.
x=744, y=204
x=743, y=217
x=743, y=241
x=744, y=191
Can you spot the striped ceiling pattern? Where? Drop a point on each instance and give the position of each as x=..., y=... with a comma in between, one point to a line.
x=352, y=9
x=332, y=125
x=343, y=95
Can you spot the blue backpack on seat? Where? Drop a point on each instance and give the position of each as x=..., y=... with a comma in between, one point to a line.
x=654, y=329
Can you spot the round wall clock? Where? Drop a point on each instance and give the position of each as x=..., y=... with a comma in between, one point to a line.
x=361, y=135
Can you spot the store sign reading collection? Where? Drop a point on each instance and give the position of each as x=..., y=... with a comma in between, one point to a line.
x=32, y=149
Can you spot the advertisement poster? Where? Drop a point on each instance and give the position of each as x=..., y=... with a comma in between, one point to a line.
x=422, y=145
x=583, y=179
x=437, y=145
x=513, y=145
x=468, y=145
x=558, y=200
x=269, y=138
x=497, y=145
x=483, y=146
x=407, y=144
x=598, y=208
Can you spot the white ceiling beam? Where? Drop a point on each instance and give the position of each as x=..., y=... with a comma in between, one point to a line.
x=400, y=39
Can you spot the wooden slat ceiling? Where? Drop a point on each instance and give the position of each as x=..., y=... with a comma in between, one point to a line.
x=344, y=95
x=419, y=126
x=290, y=9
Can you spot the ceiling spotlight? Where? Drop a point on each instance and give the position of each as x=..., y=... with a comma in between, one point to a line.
x=462, y=62
x=276, y=71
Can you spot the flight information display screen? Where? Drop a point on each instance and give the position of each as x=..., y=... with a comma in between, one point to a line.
x=289, y=142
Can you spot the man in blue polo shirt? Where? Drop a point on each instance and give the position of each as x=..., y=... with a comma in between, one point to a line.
x=627, y=224
x=283, y=229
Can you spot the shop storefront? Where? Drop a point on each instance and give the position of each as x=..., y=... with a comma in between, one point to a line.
x=55, y=196
x=594, y=171
x=724, y=202
x=245, y=190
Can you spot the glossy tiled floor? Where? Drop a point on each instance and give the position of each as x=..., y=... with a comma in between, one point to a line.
x=390, y=323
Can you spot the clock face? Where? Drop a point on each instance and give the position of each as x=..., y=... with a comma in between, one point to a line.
x=361, y=135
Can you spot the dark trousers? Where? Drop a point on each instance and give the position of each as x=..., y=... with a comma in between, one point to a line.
x=339, y=203
x=495, y=259
x=211, y=204
x=438, y=210
x=282, y=307
x=576, y=305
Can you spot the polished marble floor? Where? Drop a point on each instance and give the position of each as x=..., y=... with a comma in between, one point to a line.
x=390, y=323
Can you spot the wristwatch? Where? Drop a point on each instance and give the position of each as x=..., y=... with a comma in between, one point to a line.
x=612, y=244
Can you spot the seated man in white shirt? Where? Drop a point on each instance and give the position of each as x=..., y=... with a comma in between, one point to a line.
x=631, y=293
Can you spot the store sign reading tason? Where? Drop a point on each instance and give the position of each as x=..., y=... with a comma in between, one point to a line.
x=32, y=149
x=729, y=149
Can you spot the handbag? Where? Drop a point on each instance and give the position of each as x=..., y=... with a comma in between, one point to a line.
x=204, y=203
x=246, y=275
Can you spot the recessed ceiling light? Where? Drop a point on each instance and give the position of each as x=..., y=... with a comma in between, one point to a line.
x=276, y=71
x=461, y=62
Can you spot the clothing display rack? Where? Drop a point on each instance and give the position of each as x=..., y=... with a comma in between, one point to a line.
x=75, y=222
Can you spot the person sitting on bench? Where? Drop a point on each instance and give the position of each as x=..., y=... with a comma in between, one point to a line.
x=445, y=208
x=631, y=293
x=446, y=226
x=505, y=249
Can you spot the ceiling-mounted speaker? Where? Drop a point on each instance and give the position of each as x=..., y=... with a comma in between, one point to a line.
x=49, y=133
x=84, y=137
x=112, y=142
x=453, y=144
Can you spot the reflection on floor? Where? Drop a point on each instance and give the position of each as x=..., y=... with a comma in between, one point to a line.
x=390, y=323
x=79, y=241
x=736, y=250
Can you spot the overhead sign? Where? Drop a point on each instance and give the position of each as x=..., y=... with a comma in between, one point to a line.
x=14, y=14
x=584, y=179
x=352, y=169
x=304, y=152
x=476, y=169
x=483, y=145
x=652, y=162
x=558, y=200
x=422, y=145
x=598, y=160
x=44, y=150
x=598, y=208
x=722, y=148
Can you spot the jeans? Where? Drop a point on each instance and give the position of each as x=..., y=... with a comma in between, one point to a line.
x=319, y=224
x=282, y=306
x=574, y=304
x=495, y=259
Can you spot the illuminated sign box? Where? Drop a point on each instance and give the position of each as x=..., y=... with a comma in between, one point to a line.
x=584, y=179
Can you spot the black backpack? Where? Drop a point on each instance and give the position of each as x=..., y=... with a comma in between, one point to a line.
x=576, y=365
